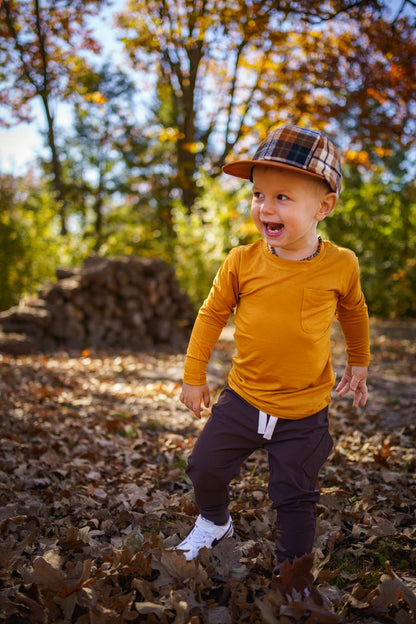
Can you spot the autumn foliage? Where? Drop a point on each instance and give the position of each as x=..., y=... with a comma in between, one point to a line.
x=168, y=92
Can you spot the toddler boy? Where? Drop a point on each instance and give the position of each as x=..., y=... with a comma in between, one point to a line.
x=284, y=291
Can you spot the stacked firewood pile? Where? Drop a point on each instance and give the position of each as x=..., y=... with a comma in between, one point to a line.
x=125, y=303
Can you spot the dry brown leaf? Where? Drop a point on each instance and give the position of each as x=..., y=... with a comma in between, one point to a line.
x=46, y=574
x=173, y=567
x=150, y=607
x=391, y=590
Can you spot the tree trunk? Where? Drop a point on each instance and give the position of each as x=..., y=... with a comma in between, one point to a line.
x=56, y=166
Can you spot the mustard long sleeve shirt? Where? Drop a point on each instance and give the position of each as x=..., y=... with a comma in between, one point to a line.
x=283, y=312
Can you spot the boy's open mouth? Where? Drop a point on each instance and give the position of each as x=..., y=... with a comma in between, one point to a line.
x=273, y=228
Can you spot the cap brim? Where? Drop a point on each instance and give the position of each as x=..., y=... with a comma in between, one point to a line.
x=243, y=168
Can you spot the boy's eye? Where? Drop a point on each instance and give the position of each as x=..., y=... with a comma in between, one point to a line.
x=282, y=197
x=256, y=195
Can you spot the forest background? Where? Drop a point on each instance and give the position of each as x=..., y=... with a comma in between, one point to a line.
x=196, y=83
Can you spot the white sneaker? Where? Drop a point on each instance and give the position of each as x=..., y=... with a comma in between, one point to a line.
x=204, y=534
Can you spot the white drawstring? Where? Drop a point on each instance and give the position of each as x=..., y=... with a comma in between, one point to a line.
x=266, y=427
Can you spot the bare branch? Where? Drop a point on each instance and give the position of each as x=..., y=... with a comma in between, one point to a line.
x=19, y=47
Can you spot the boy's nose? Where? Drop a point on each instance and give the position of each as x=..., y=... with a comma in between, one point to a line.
x=268, y=207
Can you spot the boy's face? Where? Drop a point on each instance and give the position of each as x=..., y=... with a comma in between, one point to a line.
x=286, y=207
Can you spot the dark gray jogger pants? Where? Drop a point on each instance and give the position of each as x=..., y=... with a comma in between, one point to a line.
x=296, y=451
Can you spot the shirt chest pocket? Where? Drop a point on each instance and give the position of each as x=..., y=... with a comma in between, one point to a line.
x=318, y=311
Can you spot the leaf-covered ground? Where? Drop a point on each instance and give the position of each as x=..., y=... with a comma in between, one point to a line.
x=93, y=492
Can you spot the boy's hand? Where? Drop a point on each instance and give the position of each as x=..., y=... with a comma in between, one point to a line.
x=355, y=379
x=193, y=396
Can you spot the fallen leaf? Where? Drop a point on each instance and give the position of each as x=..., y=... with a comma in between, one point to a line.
x=391, y=589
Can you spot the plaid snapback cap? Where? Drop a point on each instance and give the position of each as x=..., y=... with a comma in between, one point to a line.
x=289, y=147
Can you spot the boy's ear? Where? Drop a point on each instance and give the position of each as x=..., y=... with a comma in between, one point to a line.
x=326, y=206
